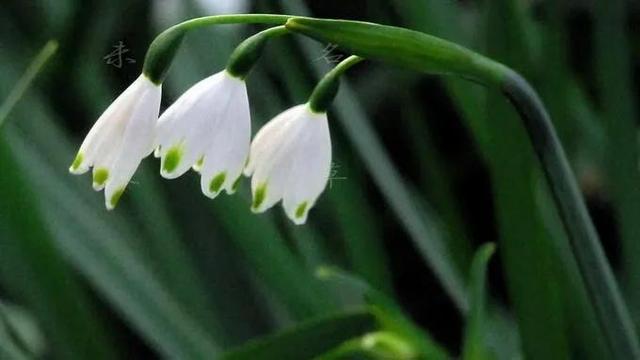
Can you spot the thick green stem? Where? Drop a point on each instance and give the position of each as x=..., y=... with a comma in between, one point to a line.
x=164, y=47
x=403, y=47
x=602, y=288
x=326, y=90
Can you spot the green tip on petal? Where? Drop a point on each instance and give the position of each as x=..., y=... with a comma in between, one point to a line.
x=115, y=198
x=259, y=197
x=100, y=176
x=198, y=165
x=76, y=162
x=300, y=210
x=172, y=159
x=216, y=182
x=236, y=184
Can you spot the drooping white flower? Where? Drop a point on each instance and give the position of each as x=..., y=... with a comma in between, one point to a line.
x=290, y=159
x=207, y=128
x=120, y=139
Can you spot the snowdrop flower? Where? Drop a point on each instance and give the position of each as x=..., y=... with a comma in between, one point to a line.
x=290, y=159
x=120, y=139
x=207, y=128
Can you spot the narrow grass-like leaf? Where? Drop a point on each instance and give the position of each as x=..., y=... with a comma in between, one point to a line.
x=306, y=340
x=584, y=140
x=98, y=251
x=20, y=337
x=524, y=242
x=33, y=271
x=273, y=262
x=309, y=245
x=31, y=267
x=29, y=75
x=169, y=255
x=23, y=328
x=439, y=183
x=586, y=337
x=389, y=314
x=9, y=349
x=474, y=343
x=363, y=243
x=444, y=20
x=620, y=111
x=110, y=230
x=601, y=288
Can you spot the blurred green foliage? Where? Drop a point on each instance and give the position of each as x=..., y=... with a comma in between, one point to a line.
x=425, y=170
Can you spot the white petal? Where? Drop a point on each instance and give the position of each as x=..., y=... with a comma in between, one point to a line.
x=189, y=124
x=137, y=139
x=268, y=185
x=268, y=135
x=172, y=123
x=102, y=169
x=178, y=158
x=229, y=146
x=274, y=160
x=311, y=168
x=107, y=128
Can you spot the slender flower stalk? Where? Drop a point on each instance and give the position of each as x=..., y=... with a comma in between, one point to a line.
x=164, y=47
x=327, y=88
x=26, y=79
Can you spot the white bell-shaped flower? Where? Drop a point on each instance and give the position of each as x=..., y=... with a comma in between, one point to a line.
x=207, y=128
x=290, y=159
x=120, y=139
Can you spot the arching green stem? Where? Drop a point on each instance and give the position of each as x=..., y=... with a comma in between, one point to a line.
x=601, y=285
x=427, y=54
x=249, y=51
x=406, y=48
x=326, y=90
x=164, y=47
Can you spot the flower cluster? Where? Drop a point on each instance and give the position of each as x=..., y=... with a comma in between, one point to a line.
x=208, y=129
